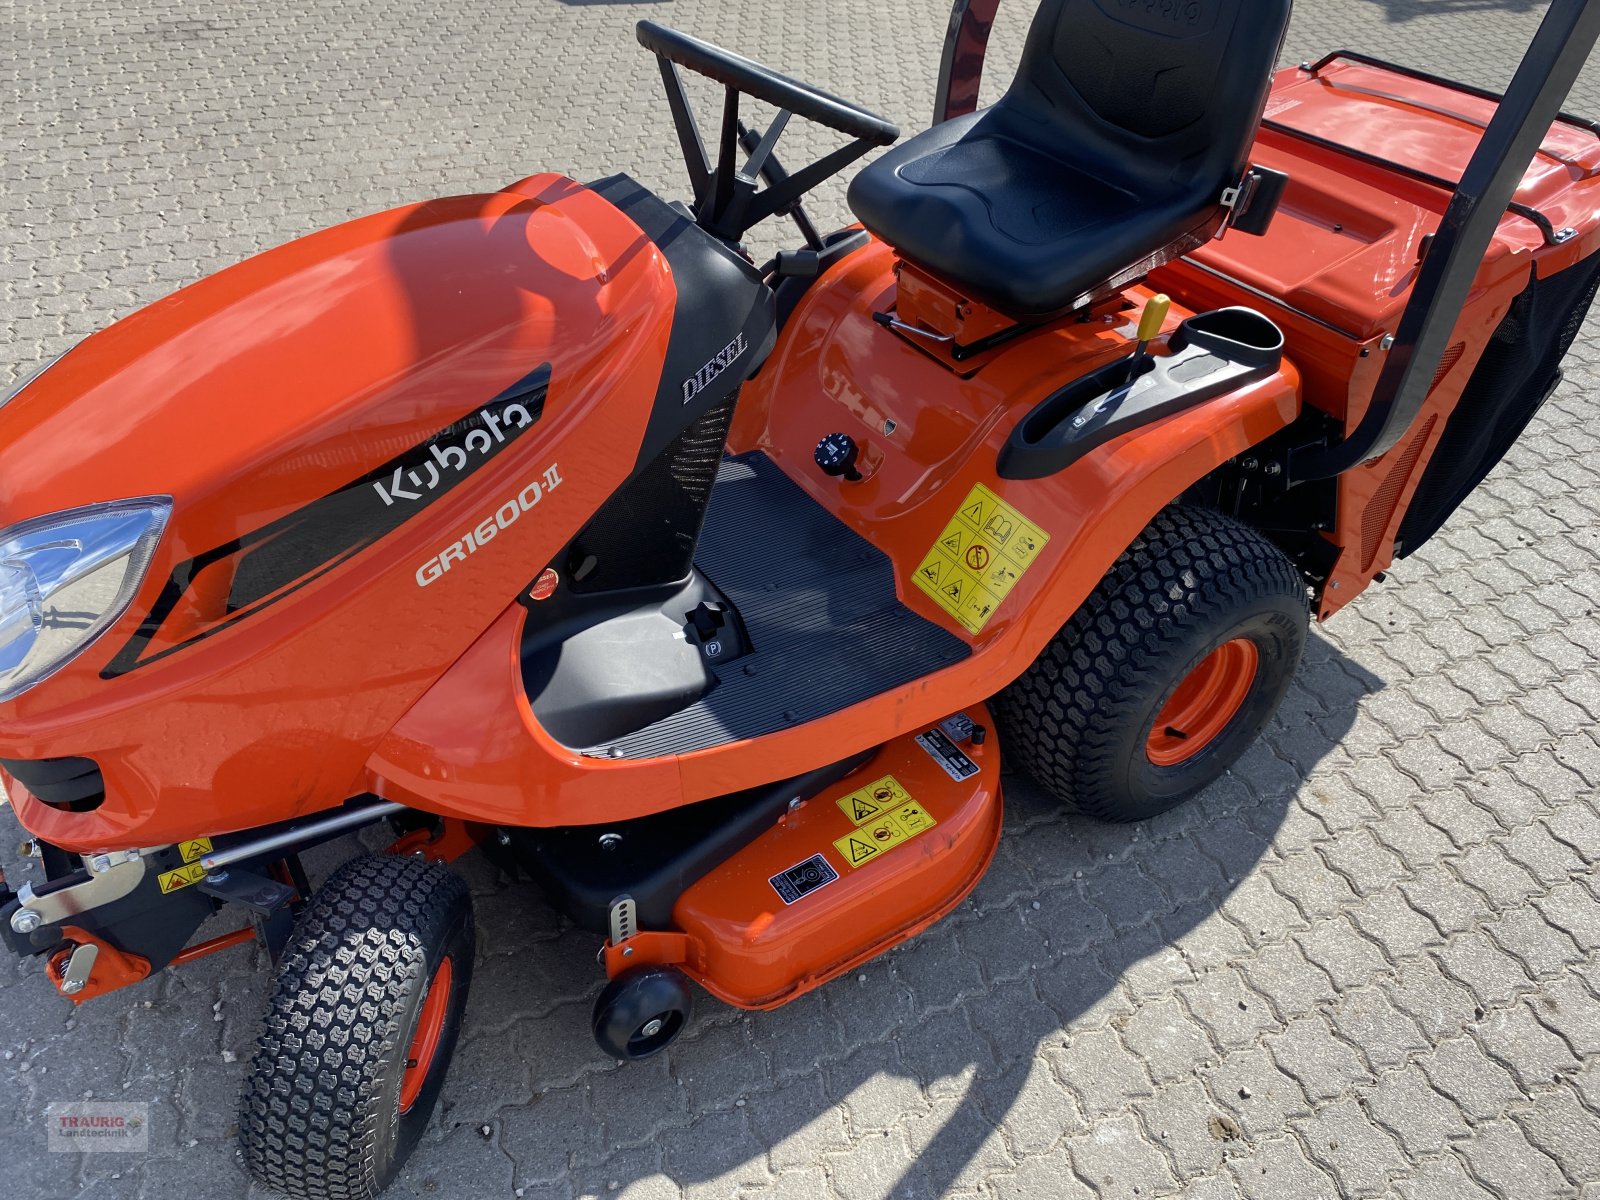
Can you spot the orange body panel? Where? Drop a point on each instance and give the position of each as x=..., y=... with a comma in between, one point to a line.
x=471, y=748
x=749, y=948
x=253, y=393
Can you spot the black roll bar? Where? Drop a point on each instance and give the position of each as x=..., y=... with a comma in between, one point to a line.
x=961, y=66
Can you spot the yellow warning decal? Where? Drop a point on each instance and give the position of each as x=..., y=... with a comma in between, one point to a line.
x=873, y=800
x=180, y=877
x=194, y=848
x=877, y=837
x=979, y=558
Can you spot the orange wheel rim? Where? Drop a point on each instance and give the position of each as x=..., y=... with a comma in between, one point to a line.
x=425, y=1041
x=1209, y=697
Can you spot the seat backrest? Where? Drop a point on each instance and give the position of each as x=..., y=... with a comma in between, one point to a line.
x=1155, y=93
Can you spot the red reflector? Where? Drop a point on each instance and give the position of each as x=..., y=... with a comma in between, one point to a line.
x=545, y=586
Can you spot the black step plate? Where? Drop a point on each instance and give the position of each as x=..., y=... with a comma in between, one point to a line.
x=819, y=603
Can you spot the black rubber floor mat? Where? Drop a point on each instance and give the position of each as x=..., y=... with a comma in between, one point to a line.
x=819, y=603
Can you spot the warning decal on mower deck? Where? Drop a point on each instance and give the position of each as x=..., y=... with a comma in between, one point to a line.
x=194, y=848
x=979, y=558
x=872, y=801
x=803, y=878
x=886, y=815
x=180, y=877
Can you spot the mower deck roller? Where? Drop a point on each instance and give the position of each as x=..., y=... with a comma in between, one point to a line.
x=547, y=522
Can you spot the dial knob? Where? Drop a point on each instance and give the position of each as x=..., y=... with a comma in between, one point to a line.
x=836, y=455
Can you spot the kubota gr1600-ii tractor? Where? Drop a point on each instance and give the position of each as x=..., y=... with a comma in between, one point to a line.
x=709, y=593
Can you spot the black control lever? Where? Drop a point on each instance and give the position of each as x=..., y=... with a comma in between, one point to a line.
x=775, y=176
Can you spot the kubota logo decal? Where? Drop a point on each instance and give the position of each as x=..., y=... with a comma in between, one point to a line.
x=445, y=458
x=275, y=560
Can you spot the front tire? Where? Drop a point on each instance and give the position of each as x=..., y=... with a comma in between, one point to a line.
x=1166, y=674
x=359, y=1030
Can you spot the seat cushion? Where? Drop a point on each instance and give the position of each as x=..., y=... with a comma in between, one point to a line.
x=1011, y=224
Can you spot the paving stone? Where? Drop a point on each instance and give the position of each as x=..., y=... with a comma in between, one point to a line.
x=1117, y=1159
x=1451, y=905
x=875, y=1091
x=1183, y=1121
x=1488, y=869
x=1370, y=1022
x=1541, y=948
x=1492, y=976
x=1572, y=1010
x=1324, y=1066
x=1438, y=1004
x=1572, y=908
x=1533, y=1054
x=798, y=1124
x=1565, y=1130
x=1348, y=958
x=1359, y=1154
x=1391, y=920
x=1545, y=856
x=1441, y=1179
x=1261, y=1098
x=1167, y=1039
x=1233, y=1014
x=1481, y=1087
x=1101, y=1071
x=1502, y=1157
x=1030, y=1106
x=1279, y=1168
x=1042, y=1177
x=1411, y=1110
x=955, y=1147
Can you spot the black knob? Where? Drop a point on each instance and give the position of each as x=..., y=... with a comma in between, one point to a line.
x=836, y=455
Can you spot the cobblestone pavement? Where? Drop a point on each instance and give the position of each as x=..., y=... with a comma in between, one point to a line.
x=1364, y=964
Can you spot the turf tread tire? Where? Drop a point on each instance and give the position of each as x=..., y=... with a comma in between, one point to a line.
x=319, y=1118
x=1076, y=719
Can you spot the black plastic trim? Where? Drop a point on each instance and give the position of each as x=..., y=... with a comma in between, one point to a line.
x=656, y=858
x=721, y=299
x=70, y=783
x=1211, y=354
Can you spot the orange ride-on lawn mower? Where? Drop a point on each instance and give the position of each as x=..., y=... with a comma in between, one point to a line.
x=548, y=522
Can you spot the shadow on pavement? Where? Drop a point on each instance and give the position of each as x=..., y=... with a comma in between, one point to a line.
x=1073, y=920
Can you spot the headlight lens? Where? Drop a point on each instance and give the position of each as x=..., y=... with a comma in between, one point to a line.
x=65, y=578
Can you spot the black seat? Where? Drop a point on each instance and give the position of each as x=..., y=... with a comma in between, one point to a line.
x=1108, y=155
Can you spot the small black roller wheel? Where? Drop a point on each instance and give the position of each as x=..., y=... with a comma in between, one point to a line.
x=641, y=1012
x=360, y=1027
x=1168, y=672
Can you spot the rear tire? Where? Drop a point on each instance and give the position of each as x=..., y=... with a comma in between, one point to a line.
x=1168, y=672
x=331, y=1110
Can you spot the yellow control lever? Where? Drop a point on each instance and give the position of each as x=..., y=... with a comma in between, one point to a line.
x=1155, y=316
x=1150, y=323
